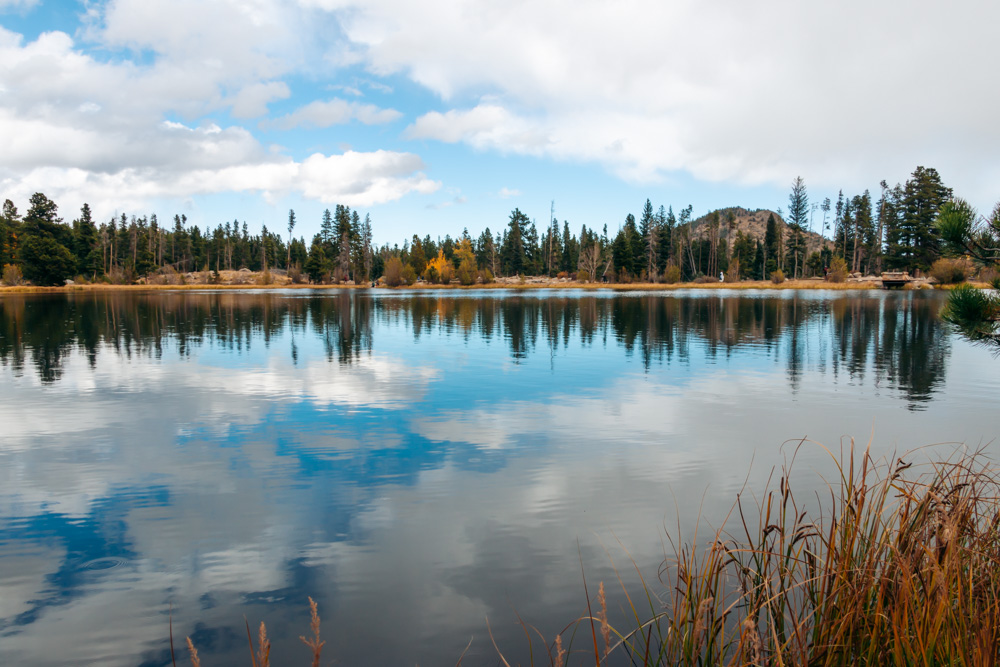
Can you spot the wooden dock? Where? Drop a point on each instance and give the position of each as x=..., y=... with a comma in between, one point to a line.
x=895, y=279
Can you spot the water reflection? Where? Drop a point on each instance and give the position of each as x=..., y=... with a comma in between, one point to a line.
x=415, y=462
x=898, y=338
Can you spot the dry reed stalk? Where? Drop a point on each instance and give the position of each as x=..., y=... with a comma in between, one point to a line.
x=263, y=647
x=752, y=651
x=560, y=653
x=602, y=616
x=701, y=623
x=194, y=653
x=315, y=643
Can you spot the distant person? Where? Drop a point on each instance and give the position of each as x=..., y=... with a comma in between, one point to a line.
x=722, y=278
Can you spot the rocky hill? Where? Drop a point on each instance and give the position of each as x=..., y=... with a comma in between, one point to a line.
x=754, y=223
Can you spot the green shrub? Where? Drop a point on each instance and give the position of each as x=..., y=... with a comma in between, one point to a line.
x=409, y=274
x=467, y=272
x=583, y=276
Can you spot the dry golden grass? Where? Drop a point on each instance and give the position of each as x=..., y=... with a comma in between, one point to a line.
x=900, y=564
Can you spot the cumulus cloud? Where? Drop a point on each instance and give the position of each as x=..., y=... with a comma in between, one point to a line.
x=726, y=92
x=334, y=112
x=83, y=130
x=748, y=93
x=252, y=100
x=487, y=126
x=354, y=179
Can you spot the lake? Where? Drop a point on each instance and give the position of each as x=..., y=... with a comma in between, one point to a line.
x=418, y=462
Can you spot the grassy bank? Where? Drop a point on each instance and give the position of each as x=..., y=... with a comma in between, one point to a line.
x=894, y=563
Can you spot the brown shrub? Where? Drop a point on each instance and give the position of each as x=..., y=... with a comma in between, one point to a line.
x=672, y=274
x=951, y=270
x=12, y=275
x=777, y=276
x=733, y=274
x=838, y=270
x=119, y=276
x=394, y=272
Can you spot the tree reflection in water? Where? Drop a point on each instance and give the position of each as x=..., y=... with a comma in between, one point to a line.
x=898, y=338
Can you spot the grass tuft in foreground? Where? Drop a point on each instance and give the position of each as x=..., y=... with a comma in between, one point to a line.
x=898, y=564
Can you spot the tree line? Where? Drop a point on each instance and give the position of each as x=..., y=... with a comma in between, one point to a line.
x=898, y=231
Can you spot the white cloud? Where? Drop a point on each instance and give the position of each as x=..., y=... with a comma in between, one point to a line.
x=17, y=4
x=252, y=100
x=334, y=112
x=845, y=93
x=507, y=193
x=727, y=91
x=81, y=130
x=486, y=127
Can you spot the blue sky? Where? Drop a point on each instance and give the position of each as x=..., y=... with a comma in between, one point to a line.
x=446, y=114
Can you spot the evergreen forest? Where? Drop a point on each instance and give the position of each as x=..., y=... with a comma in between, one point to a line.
x=896, y=228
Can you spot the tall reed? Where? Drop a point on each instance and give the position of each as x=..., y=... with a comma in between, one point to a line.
x=893, y=564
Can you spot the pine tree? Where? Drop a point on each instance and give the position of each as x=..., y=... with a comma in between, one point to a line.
x=798, y=215
x=291, y=226
x=923, y=196
x=513, y=256
x=771, y=246
x=645, y=259
x=366, y=247
x=45, y=257
x=10, y=231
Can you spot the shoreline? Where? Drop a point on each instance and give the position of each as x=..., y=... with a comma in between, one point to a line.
x=529, y=284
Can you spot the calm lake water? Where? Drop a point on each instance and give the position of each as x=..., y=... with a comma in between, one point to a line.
x=417, y=462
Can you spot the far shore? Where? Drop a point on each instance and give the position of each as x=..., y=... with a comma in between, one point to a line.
x=528, y=283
